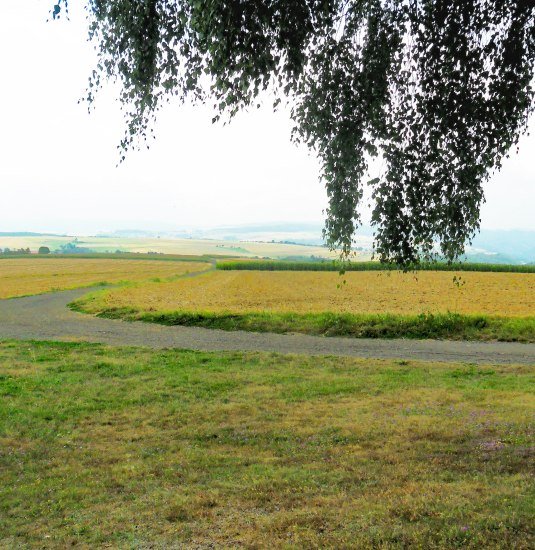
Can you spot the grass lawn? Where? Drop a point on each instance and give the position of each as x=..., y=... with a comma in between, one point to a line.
x=133, y=448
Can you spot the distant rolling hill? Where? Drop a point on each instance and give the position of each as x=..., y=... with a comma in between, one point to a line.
x=492, y=246
x=495, y=246
x=28, y=234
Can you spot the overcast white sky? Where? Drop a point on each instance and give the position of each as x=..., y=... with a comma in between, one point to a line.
x=58, y=164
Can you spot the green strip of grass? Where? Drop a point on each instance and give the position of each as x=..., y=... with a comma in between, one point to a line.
x=127, y=448
x=144, y=256
x=451, y=326
x=275, y=265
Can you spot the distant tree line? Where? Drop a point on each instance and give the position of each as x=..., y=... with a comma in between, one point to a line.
x=23, y=251
x=15, y=251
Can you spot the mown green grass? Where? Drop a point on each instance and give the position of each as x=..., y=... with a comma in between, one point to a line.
x=281, y=265
x=451, y=326
x=131, y=448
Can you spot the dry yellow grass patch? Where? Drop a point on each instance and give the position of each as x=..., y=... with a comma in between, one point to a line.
x=19, y=277
x=505, y=294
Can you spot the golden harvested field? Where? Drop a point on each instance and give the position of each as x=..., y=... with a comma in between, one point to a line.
x=501, y=294
x=19, y=277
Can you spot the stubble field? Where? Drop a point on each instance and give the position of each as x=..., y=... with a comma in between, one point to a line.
x=486, y=306
x=508, y=294
x=23, y=276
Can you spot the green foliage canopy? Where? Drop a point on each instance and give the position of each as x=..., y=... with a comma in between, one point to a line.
x=439, y=89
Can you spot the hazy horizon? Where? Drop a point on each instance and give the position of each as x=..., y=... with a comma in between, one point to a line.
x=286, y=225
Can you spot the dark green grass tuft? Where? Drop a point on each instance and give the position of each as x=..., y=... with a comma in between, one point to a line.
x=452, y=326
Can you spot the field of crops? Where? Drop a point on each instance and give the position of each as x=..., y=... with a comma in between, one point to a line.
x=504, y=294
x=20, y=277
x=325, y=265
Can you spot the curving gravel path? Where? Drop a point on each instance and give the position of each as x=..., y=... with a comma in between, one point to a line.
x=46, y=317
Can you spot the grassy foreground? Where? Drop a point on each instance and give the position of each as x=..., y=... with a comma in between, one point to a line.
x=132, y=448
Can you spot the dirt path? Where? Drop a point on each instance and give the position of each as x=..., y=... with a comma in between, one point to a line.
x=46, y=317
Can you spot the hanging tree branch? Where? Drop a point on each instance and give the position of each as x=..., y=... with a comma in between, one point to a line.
x=440, y=89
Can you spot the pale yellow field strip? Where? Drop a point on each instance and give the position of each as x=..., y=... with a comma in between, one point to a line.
x=196, y=247
x=502, y=294
x=19, y=277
